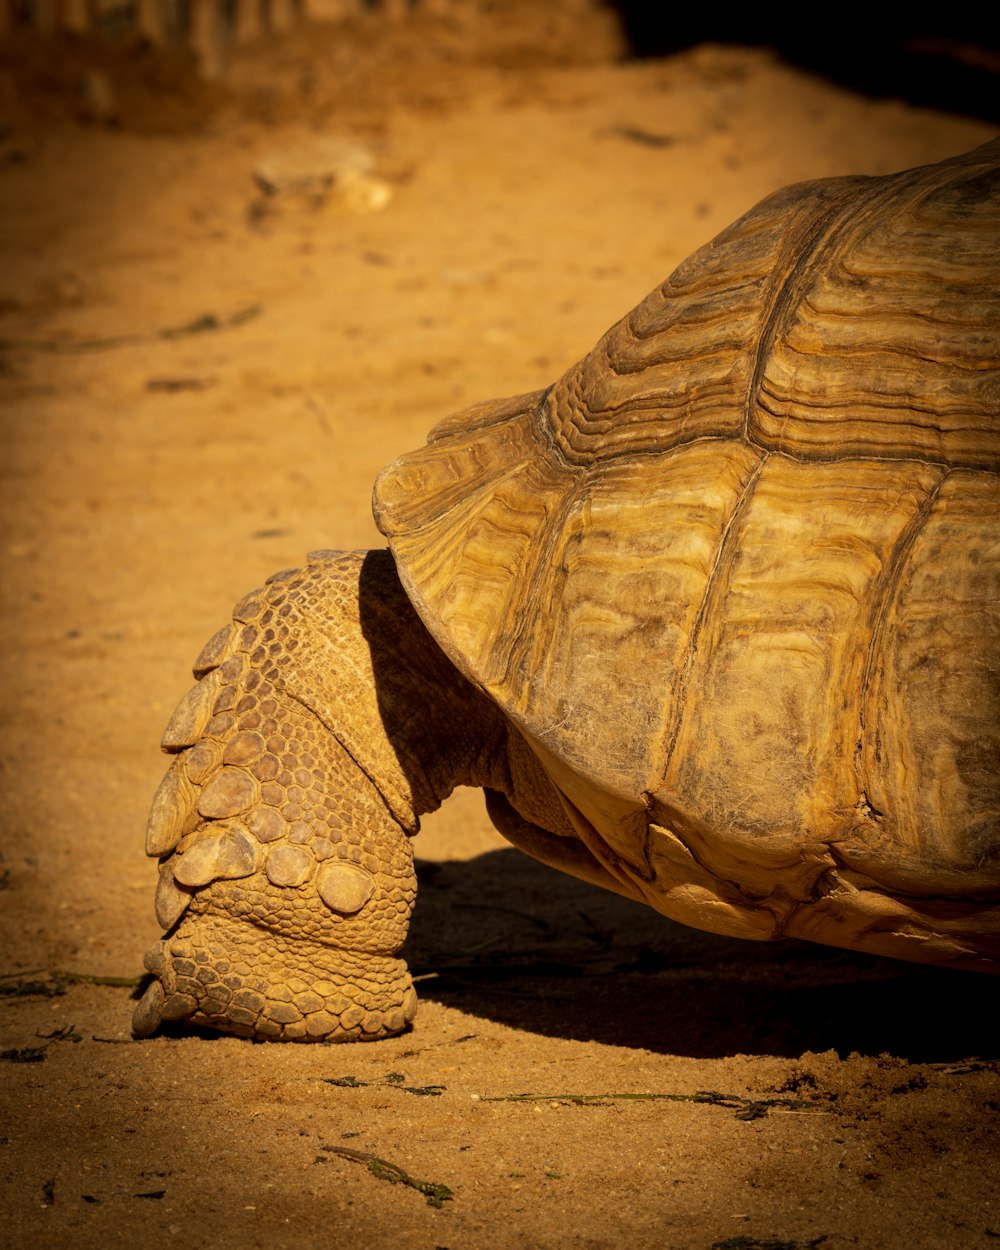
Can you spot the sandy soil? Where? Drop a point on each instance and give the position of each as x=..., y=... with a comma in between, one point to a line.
x=198, y=385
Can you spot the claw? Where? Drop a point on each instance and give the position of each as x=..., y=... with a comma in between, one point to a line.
x=148, y=1011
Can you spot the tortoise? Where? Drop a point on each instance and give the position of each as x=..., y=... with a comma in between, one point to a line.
x=714, y=621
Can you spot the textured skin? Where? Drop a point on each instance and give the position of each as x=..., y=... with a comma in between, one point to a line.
x=715, y=621
x=290, y=873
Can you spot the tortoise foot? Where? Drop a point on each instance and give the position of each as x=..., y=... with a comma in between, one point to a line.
x=230, y=976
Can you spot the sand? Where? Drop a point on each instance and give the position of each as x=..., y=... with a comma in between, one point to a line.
x=198, y=383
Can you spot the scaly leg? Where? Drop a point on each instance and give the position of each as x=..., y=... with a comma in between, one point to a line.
x=286, y=874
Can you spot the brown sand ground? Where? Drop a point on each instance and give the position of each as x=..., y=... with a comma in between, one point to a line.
x=156, y=465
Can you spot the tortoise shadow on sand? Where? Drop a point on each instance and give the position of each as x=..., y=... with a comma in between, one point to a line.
x=509, y=939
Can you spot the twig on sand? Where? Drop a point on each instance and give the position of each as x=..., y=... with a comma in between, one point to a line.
x=35, y=1054
x=91, y=978
x=394, y=1080
x=40, y=982
x=748, y=1108
x=436, y=1195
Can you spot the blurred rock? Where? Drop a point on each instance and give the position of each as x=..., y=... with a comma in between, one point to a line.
x=323, y=169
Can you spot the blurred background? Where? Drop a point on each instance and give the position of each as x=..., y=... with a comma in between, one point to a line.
x=94, y=57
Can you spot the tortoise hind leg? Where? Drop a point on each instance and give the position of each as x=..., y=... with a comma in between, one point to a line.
x=286, y=875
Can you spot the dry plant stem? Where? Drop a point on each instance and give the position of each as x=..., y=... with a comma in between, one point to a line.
x=749, y=1108
x=436, y=1194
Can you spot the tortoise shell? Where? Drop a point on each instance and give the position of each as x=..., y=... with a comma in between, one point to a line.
x=735, y=578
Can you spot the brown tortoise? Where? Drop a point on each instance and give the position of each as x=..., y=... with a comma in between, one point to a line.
x=715, y=621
